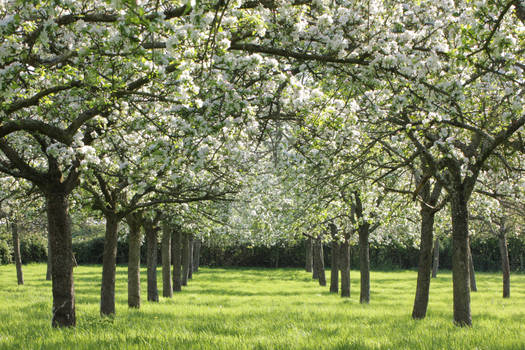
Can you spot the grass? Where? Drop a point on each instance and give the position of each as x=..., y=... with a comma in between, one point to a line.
x=261, y=309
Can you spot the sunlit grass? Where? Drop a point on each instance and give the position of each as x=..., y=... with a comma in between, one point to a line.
x=261, y=309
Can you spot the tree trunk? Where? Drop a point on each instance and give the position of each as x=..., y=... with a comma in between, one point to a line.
x=185, y=258
x=176, y=255
x=196, y=255
x=345, y=268
x=460, y=259
x=190, y=258
x=315, y=261
x=364, y=263
x=319, y=262
x=505, y=265
x=167, y=287
x=425, y=263
x=308, y=254
x=109, y=266
x=471, y=271
x=334, y=269
x=151, y=241
x=16, y=251
x=49, y=258
x=62, y=260
x=134, y=239
x=435, y=264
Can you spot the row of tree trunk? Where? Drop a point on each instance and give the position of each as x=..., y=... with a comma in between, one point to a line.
x=428, y=264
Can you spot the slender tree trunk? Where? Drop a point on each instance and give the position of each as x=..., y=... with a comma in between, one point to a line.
x=62, y=260
x=435, y=264
x=315, y=261
x=109, y=266
x=185, y=258
x=190, y=258
x=460, y=259
x=308, y=254
x=425, y=263
x=176, y=255
x=364, y=263
x=16, y=250
x=505, y=265
x=522, y=262
x=134, y=239
x=196, y=255
x=49, y=258
x=167, y=287
x=472, y=272
x=334, y=269
x=319, y=262
x=345, y=268
x=151, y=241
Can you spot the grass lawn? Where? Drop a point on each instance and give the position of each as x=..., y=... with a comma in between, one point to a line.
x=261, y=309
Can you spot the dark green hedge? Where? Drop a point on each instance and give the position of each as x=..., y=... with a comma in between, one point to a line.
x=385, y=256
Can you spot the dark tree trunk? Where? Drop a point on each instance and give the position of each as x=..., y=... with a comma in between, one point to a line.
x=176, y=255
x=49, y=259
x=505, y=265
x=425, y=263
x=319, y=262
x=134, y=239
x=471, y=271
x=315, y=261
x=345, y=268
x=60, y=238
x=109, y=265
x=334, y=269
x=364, y=263
x=185, y=258
x=435, y=263
x=190, y=258
x=460, y=259
x=334, y=264
x=151, y=241
x=308, y=254
x=196, y=255
x=16, y=251
x=167, y=287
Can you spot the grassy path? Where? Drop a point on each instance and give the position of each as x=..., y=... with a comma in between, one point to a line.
x=261, y=309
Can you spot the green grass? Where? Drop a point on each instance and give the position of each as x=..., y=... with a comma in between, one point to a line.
x=261, y=309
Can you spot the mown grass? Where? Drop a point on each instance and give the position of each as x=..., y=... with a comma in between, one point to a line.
x=261, y=309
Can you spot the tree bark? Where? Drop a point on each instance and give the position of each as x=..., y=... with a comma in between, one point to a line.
x=505, y=265
x=315, y=261
x=471, y=270
x=62, y=260
x=460, y=259
x=425, y=263
x=308, y=255
x=134, y=239
x=176, y=255
x=167, y=287
x=185, y=258
x=334, y=269
x=49, y=259
x=109, y=266
x=364, y=263
x=151, y=241
x=435, y=263
x=190, y=258
x=319, y=262
x=196, y=255
x=345, y=268
x=16, y=251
